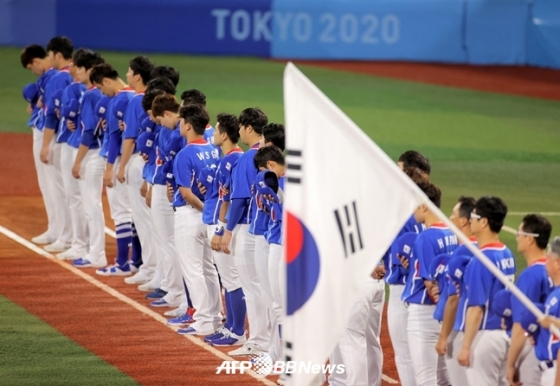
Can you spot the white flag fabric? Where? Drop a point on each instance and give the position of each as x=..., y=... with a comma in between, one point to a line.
x=345, y=202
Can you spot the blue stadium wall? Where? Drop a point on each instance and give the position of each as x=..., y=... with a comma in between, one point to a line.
x=513, y=32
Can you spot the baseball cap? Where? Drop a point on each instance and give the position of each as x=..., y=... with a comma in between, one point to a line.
x=437, y=266
x=31, y=93
x=529, y=322
x=456, y=268
x=119, y=107
x=501, y=304
x=57, y=98
x=266, y=183
x=167, y=169
x=404, y=246
x=101, y=107
x=206, y=176
x=147, y=125
x=71, y=109
x=145, y=145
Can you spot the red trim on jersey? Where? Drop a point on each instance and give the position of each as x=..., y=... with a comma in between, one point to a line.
x=64, y=69
x=140, y=92
x=438, y=225
x=91, y=87
x=208, y=126
x=256, y=145
x=235, y=150
x=539, y=262
x=496, y=245
x=201, y=141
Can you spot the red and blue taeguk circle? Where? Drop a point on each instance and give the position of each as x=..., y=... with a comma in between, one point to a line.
x=303, y=264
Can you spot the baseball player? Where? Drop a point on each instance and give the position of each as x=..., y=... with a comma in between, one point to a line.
x=190, y=231
x=422, y=329
x=88, y=164
x=242, y=213
x=484, y=347
x=217, y=183
x=446, y=309
x=532, y=238
x=106, y=78
x=60, y=50
x=34, y=58
x=197, y=97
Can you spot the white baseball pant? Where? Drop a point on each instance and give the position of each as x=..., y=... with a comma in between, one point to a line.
x=53, y=173
x=163, y=218
x=457, y=373
x=80, y=241
x=226, y=267
x=397, y=317
x=423, y=333
x=529, y=372
x=243, y=247
x=91, y=188
x=141, y=215
x=548, y=377
x=119, y=203
x=488, y=359
x=44, y=185
x=195, y=257
x=360, y=348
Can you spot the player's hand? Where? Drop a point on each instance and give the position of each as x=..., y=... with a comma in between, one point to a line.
x=512, y=375
x=108, y=178
x=29, y=109
x=45, y=154
x=144, y=157
x=120, y=175
x=216, y=243
x=144, y=189
x=441, y=346
x=76, y=170
x=71, y=125
x=225, y=191
x=378, y=273
x=464, y=357
x=404, y=261
x=104, y=124
x=434, y=292
x=121, y=125
x=226, y=240
x=149, y=197
x=170, y=192
x=40, y=102
x=546, y=322
x=202, y=189
x=531, y=340
x=57, y=113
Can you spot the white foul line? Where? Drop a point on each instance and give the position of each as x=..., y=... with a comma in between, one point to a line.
x=143, y=309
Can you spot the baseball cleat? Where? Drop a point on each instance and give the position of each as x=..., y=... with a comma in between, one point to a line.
x=139, y=278
x=160, y=303
x=222, y=331
x=81, y=263
x=193, y=331
x=43, y=238
x=70, y=254
x=180, y=320
x=175, y=313
x=147, y=287
x=246, y=350
x=230, y=339
x=57, y=246
x=157, y=294
x=114, y=270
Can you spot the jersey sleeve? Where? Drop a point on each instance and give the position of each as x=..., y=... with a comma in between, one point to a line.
x=479, y=284
x=424, y=253
x=451, y=289
x=132, y=119
x=529, y=285
x=183, y=170
x=241, y=186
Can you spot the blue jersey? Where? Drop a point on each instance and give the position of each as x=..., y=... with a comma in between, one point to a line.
x=480, y=285
x=188, y=163
x=41, y=84
x=274, y=232
x=394, y=273
x=462, y=250
x=547, y=345
x=91, y=135
x=74, y=92
x=535, y=284
x=158, y=175
x=133, y=117
x=435, y=240
x=57, y=82
x=242, y=179
x=114, y=133
x=173, y=145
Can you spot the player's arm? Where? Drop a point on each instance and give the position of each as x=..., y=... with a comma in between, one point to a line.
x=472, y=324
x=89, y=124
x=518, y=339
x=131, y=124
x=449, y=315
x=51, y=121
x=191, y=198
x=113, y=149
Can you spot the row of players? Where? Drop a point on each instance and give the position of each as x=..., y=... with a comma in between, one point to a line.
x=451, y=321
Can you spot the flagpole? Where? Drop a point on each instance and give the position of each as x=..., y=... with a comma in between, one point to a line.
x=488, y=264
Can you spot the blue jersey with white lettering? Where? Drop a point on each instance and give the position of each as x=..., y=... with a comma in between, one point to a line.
x=394, y=273
x=58, y=81
x=91, y=135
x=274, y=232
x=188, y=163
x=480, y=285
x=547, y=345
x=223, y=178
x=114, y=133
x=162, y=135
x=435, y=240
x=535, y=284
x=243, y=177
x=74, y=92
x=133, y=117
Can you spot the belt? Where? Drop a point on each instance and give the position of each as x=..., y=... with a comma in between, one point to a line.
x=545, y=365
x=176, y=207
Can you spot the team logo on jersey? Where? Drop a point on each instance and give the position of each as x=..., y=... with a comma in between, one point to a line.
x=303, y=261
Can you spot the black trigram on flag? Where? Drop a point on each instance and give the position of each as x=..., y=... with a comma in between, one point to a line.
x=349, y=228
x=288, y=355
x=294, y=160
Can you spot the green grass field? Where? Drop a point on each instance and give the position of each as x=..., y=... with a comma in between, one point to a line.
x=479, y=143
x=34, y=353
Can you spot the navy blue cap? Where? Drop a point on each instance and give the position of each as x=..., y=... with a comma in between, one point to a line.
x=266, y=183
x=101, y=107
x=145, y=144
x=404, y=246
x=206, y=176
x=456, y=268
x=501, y=304
x=119, y=107
x=437, y=266
x=70, y=110
x=57, y=98
x=167, y=169
x=31, y=93
x=147, y=125
x=529, y=322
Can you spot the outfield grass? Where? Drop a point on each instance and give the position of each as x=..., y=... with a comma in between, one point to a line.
x=34, y=353
x=479, y=143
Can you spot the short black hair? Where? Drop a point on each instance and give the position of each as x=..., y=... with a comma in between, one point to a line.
x=88, y=59
x=33, y=51
x=274, y=133
x=167, y=72
x=255, y=117
x=466, y=206
x=416, y=175
x=79, y=53
x=493, y=209
x=163, y=103
x=268, y=153
x=432, y=191
x=102, y=71
x=61, y=44
x=148, y=98
x=161, y=83
x=535, y=223
x=229, y=124
x=197, y=116
x=193, y=97
x=413, y=158
x=142, y=66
